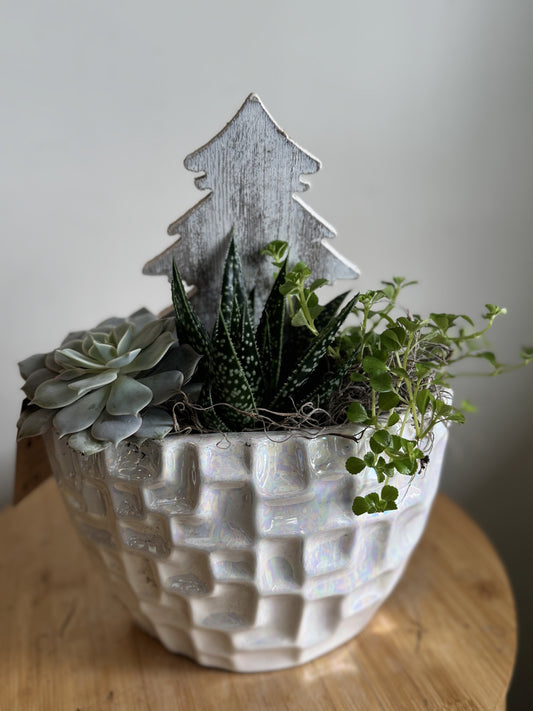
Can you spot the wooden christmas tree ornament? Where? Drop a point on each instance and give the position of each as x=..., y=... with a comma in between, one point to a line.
x=253, y=172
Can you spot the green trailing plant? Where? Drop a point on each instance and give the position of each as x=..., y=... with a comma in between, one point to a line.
x=401, y=382
x=302, y=299
x=107, y=384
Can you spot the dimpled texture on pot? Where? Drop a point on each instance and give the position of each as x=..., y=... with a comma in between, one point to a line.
x=242, y=552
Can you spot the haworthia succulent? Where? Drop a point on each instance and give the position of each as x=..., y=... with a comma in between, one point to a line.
x=189, y=328
x=299, y=339
x=321, y=392
x=329, y=310
x=210, y=416
x=308, y=363
x=248, y=354
x=233, y=286
x=270, y=333
x=230, y=384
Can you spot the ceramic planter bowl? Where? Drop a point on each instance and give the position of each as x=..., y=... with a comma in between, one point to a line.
x=243, y=552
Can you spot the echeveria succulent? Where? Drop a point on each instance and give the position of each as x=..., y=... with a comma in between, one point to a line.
x=104, y=385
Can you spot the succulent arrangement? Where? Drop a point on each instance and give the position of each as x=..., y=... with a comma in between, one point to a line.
x=104, y=385
x=249, y=372
x=300, y=367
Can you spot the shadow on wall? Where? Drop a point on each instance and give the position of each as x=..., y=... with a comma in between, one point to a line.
x=501, y=504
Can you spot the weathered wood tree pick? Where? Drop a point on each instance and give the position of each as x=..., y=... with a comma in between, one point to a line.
x=252, y=169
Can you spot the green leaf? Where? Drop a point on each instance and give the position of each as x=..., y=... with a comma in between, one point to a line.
x=233, y=286
x=392, y=339
x=310, y=360
x=440, y=320
x=322, y=393
x=406, y=466
x=358, y=378
x=396, y=443
x=329, y=310
x=101, y=352
x=372, y=499
x=125, y=360
x=467, y=406
x=35, y=379
x=400, y=373
x=299, y=319
x=442, y=408
x=230, y=384
x=111, y=428
x=163, y=385
x=374, y=366
x=82, y=413
x=289, y=287
x=493, y=310
x=394, y=417
x=84, y=443
x=356, y=412
x=124, y=343
x=189, y=328
x=31, y=364
x=360, y=505
x=369, y=459
x=389, y=493
x=379, y=441
x=317, y=283
x=355, y=465
x=54, y=393
x=91, y=382
x=269, y=335
x=381, y=383
x=127, y=396
x=423, y=369
x=248, y=354
x=299, y=274
x=69, y=358
x=183, y=358
x=526, y=353
x=382, y=436
x=148, y=333
x=34, y=422
x=150, y=356
x=388, y=400
x=234, y=322
x=423, y=398
x=156, y=424
x=276, y=250
x=488, y=356
x=408, y=324
x=210, y=417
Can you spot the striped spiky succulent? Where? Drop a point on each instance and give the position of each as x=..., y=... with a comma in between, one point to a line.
x=104, y=385
x=269, y=367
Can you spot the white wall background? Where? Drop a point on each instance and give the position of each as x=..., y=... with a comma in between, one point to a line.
x=421, y=111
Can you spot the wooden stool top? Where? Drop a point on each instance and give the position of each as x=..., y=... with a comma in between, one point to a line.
x=446, y=638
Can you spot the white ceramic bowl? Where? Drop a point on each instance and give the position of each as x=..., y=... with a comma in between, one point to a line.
x=243, y=552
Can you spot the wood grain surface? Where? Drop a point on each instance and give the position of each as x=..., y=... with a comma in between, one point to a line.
x=446, y=638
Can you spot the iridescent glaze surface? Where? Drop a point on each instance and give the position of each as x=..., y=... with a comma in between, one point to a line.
x=243, y=552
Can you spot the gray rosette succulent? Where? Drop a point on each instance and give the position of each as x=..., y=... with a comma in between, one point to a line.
x=104, y=385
